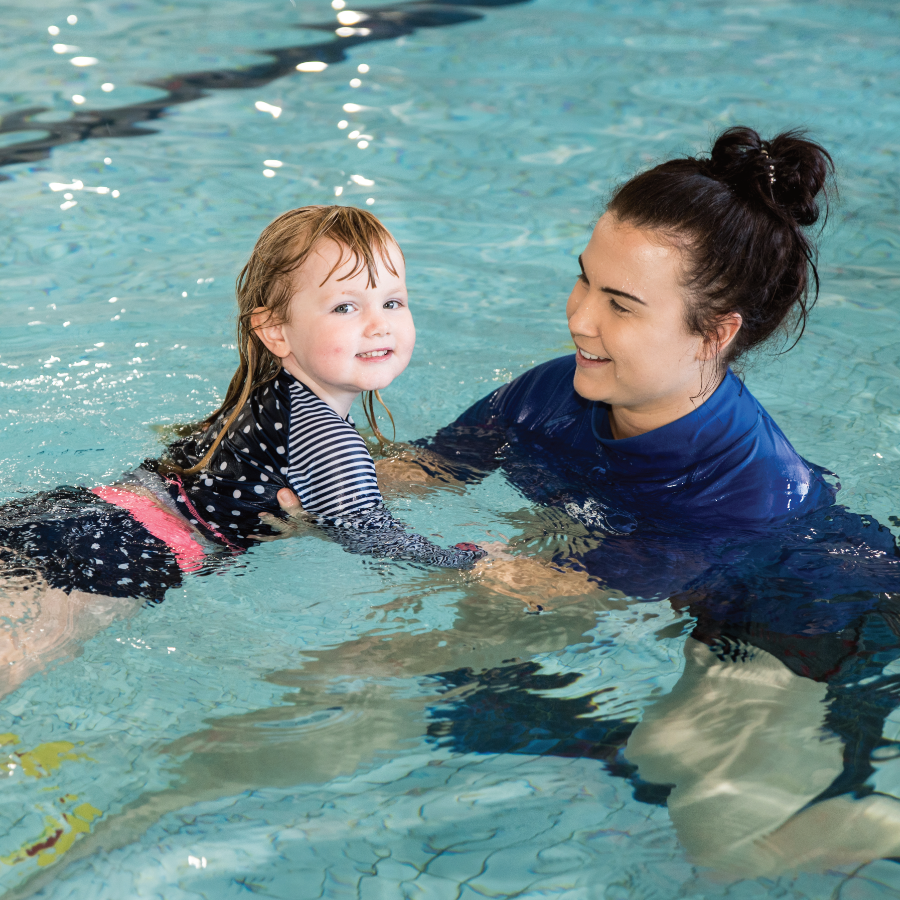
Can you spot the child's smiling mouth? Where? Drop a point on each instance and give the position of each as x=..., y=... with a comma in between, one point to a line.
x=384, y=353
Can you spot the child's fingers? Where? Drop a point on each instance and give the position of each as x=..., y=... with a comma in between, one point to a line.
x=283, y=528
x=290, y=503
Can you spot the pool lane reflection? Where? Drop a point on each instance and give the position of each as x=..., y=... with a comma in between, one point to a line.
x=383, y=23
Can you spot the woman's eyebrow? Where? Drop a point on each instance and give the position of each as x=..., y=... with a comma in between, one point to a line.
x=609, y=290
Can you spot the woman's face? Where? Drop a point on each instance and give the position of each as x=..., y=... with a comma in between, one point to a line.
x=626, y=314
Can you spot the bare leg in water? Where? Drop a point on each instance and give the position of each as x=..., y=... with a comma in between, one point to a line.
x=744, y=742
x=40, y=625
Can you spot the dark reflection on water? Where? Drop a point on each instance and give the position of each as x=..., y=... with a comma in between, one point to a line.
x=383, y=23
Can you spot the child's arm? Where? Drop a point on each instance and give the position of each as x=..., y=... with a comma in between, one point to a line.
x=374, y=531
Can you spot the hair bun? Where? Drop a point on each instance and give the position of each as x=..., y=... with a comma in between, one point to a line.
x=785, y=174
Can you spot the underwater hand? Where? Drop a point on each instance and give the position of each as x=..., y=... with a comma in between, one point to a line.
x=294, y=524
x=529, y=579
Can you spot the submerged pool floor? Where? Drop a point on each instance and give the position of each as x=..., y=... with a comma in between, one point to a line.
x=305, y=723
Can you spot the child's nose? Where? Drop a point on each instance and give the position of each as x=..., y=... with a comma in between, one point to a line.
x=378, y=323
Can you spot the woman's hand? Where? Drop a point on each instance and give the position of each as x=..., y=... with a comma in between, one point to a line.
x=529, y=579
x=294, y=524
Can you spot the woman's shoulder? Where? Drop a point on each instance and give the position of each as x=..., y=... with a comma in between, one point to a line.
x=753, y=473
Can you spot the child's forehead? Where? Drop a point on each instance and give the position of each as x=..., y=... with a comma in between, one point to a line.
x=332, y=264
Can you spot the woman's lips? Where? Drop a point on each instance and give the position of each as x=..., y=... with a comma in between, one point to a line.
x=375, y=356
x=585, y=362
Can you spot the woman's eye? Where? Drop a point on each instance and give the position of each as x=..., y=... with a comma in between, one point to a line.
x=617, y=306
x=392, y=304
x=583, y=278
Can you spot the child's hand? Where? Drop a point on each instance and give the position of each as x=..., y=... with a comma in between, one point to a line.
x=294, y=524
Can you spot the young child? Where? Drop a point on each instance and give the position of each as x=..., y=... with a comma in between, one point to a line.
x=323, y=317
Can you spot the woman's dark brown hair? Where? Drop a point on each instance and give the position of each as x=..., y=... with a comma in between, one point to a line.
x=739, y=215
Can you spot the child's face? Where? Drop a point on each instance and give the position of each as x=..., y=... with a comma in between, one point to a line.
x=344, y=337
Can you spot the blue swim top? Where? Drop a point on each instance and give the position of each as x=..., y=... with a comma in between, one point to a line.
x=725, y=463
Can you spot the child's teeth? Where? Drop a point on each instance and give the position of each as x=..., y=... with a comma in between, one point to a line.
x=374, y=353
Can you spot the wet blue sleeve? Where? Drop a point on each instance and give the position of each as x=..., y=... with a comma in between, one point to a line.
x=541, y=400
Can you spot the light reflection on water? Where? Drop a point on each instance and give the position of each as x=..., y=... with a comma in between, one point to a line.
x=306, y=724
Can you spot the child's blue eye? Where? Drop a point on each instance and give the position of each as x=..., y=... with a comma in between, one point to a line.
x=343, y=308
x=392, y=304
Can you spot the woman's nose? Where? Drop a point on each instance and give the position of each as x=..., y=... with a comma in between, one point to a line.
x=582, y=314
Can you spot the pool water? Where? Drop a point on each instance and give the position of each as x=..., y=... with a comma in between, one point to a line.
x=306, y=723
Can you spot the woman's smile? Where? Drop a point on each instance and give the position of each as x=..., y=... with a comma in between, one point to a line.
x=590, y=360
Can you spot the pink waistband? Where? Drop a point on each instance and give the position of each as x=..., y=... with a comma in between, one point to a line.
x=169, y=527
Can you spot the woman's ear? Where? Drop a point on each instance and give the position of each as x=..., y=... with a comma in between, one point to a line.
x=724, y=332
x=272, y=336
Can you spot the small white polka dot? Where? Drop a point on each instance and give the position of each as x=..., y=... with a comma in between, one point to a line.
x=193, y=521
x=208, y=482
x=210, y=509
x=232, y=525
x=242, y=478
x=236, y=494
x=259, y=489
x=235, y=512
x=278, y=426
x=224, y=466
x=279, y=449
x=124, y=565
x=180, y=499
x=263, y=446
x=269, y=469
x=246, y=429
x=283, y=470
x=263, y=477
x=95, y=546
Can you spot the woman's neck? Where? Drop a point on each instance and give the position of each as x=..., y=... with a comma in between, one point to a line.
x=626, y=422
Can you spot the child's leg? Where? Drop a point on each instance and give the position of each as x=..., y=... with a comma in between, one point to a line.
x=40, y=624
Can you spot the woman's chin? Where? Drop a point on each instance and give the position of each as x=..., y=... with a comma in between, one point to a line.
x=589, y=388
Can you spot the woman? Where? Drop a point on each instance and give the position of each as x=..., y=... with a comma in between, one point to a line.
x=694, y=263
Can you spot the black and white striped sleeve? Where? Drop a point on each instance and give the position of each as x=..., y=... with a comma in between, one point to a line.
x=329, y=466
x=332, y=472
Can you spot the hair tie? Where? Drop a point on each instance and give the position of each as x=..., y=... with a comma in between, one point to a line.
x=771, y=165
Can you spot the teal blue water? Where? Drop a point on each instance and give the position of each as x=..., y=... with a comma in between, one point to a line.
x=264, y=730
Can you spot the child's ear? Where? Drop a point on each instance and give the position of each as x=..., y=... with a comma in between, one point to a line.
x=272, y=336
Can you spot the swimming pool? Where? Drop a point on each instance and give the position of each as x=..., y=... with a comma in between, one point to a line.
x=281, y=729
